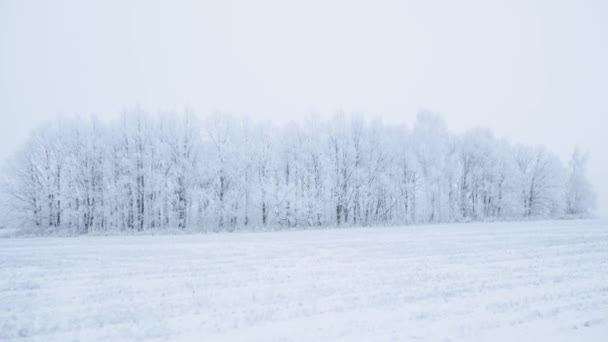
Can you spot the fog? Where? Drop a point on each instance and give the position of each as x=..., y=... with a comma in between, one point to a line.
x=532, y=71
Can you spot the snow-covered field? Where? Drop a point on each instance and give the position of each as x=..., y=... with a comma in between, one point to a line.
x=534, y=281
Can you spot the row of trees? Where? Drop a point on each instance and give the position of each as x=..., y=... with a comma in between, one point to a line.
x=224, y=173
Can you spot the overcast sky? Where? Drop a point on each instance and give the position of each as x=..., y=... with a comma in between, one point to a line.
x=535, y=72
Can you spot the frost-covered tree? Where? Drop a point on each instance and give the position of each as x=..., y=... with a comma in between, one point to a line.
x=542, y=181
x=224, y=173
x=431, y=146
x=580, y=196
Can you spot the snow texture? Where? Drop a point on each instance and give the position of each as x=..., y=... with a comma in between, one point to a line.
x=533, y=281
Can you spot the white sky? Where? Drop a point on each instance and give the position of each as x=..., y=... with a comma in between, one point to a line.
x=533, y=71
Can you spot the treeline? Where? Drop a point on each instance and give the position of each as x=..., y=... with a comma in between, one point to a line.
x=224, y=173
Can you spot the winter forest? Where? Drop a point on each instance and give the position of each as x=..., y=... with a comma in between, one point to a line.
x=221, y=173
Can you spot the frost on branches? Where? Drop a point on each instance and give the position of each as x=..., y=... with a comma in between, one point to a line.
x=223, y=173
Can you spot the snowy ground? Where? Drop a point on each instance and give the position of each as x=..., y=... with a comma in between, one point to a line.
x=536, y=281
